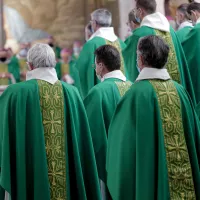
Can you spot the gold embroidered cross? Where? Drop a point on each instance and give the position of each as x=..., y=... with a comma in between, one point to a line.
x=52, y=121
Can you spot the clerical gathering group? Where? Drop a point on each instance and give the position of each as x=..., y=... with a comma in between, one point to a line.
x=110, y=120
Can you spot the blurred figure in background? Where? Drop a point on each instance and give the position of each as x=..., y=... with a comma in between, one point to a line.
x=191, y=46
x=183, y=22
x=77, y=46
x=88, y=31
x=9, y=70
x=101, y=21
x=22, y=58
x=52, y=43
x=66, y=69
x=132, y=22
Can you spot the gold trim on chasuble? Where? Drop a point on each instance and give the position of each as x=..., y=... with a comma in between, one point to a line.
x=64, y=69
x=123, y=87
x=117, y=45
x=52, y=106
x=4, y=69
x=172, y=63
x=178, y=162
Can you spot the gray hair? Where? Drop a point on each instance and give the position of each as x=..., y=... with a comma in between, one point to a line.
x=41, y=55
x=102, y=17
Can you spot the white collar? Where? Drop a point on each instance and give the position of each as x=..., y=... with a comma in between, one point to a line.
x=198, y=21
x=106, y=33
x=157, y=21
x=47, y=74
x=19, y=57
x=185, y=24
x=114, y=74
x=152, y=73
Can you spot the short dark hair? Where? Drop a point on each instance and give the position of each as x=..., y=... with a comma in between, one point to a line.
x=154, y=51
x=131, y=17
x=109, y=56
x=183, y=9
x=148, y=5
x=193, y=7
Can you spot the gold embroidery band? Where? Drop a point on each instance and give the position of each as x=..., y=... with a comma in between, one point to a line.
x=117, y=45
x=123, y=87
x=4, y=69
x=172, y=64
x=180, y=177
x=52, y=107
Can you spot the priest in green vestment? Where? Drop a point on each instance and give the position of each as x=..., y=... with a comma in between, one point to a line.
x=102, y=100
x=101, y=21
x=183, y=21
x=154, y=23
x=52, y=43
x=192, y=48
x=46, y=150
x=77, y=46
x=132, y=23
x=9, y=70
x=154, y=137
x=66, y=70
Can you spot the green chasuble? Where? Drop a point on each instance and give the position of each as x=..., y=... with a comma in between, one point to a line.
x=182, y=33
x=62, y=69
x=86, y=61
x=192, y=53
x=45, y=143
x=13, y=68
x=154, y=144
x=100, y=105
x=176, y=66
x=57, y=51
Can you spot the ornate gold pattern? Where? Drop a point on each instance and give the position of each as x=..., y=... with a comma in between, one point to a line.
x=123, y=87
x=64, y=69
x=178, y=162
x=4, y=69
x=51, y=101
x=172, y=64
x=117, y=45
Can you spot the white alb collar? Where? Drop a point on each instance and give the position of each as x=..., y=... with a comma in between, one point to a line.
x=157, y=21
x=114, y=74
x=185, y=24
x=152, y=73
x=106, y=33
x=47, y=74
x=198, y=21
x=20, y=58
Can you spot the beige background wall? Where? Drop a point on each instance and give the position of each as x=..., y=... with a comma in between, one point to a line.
x=65, y=19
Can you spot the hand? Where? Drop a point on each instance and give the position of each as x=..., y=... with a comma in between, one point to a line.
x=5, y=75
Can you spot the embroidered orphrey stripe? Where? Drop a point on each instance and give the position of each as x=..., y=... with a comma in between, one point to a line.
x=123, y=87
x=52, y=107
x=117, y=45
x=178, y=162
x=4, y=69
x=172, y=63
